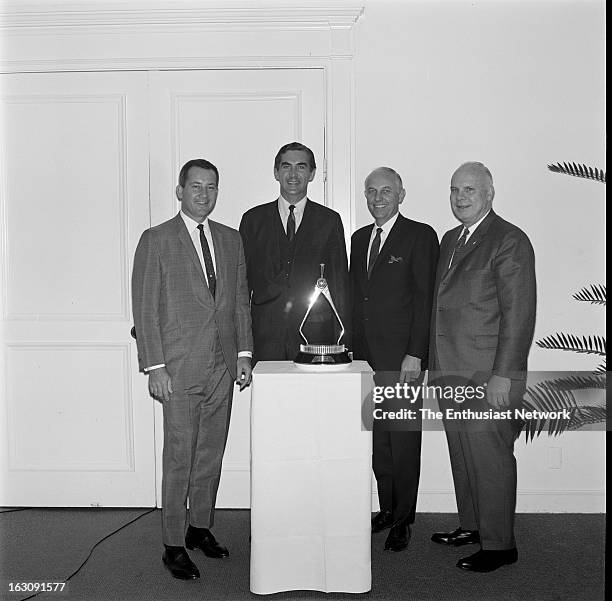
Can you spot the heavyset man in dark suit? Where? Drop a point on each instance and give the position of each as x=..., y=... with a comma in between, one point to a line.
x=193, y=328
x=393, y=265
x=483, y=321
x=285, y=241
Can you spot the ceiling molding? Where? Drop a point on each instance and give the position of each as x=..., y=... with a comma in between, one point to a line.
x=31, y=15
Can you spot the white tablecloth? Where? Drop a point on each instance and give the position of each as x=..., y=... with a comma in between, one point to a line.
x=310, y=479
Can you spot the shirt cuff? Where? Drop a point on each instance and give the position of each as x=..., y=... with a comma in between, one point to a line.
x=148, y=369
x=245, y=354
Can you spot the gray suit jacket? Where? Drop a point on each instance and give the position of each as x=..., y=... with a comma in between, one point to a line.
x=175, y=316
x=484, y=309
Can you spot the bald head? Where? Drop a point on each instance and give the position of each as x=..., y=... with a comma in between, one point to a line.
x=386, y=171
x=471, y=192
x=477, y=168
x=384, y=193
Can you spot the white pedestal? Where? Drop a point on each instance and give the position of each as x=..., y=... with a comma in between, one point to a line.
x=311, y=467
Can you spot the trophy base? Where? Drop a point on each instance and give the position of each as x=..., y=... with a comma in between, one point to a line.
x=322, y=354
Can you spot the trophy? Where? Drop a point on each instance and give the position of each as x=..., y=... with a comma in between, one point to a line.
x=322, y=354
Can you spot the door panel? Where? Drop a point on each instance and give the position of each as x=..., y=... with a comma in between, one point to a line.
x=237, y=119
x=77, y=426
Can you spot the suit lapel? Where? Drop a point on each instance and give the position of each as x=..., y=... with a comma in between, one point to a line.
x=473, y=242
x=446, y=251
x=278, y=231
x=221, y=265
x=306, y=229
x=361, y=256
x=387, y=246
x=187, y=243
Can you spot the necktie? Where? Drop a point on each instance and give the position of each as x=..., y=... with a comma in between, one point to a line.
x=460, y=243
x=208, y=262
x=374, y=250
x=291, y=224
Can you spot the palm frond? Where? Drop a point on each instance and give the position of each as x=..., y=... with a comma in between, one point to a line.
x=596, y=380
x=596, y=294
x=544, y=399
x=598, y=175
x=595, y=345
x=589, y=414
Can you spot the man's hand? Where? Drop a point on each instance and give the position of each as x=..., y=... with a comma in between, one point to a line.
x=243, y=372
x=498, y=392
x=160, y=386
x=410, y=370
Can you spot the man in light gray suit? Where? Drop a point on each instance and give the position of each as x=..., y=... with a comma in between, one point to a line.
x=483, y=321
x=193, y=332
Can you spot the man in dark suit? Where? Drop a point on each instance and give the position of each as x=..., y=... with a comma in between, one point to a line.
x=285, y=241
x=393, y=265
x=482, y=325
x=193, y=331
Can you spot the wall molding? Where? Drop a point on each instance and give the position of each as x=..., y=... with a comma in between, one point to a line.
x=29, y=15
x=14, y=462
x=117, y=101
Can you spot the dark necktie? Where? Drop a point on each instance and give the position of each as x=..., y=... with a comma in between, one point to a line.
x=208, y=262
x=374, y=250
x=460, y=244
x=291, y=224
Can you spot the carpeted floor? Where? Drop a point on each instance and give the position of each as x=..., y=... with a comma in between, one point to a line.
x=561, y=558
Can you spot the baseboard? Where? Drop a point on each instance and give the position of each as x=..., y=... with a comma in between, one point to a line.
x=527, y=501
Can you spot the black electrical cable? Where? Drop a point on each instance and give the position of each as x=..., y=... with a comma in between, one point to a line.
x=13, y=510
x=92, y=550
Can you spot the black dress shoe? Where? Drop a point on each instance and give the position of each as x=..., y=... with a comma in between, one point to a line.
x=179, y=563
x=487, y=561
x=457, y=537
x=203, y=539
x=381, y=521
x=398, y=537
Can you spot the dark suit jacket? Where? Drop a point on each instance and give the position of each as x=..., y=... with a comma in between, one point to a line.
x=280, y=284
x=175, y=316
x=485, y=304
x=392, y=309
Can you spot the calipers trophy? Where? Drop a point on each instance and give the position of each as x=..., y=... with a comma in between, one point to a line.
x=322, y=354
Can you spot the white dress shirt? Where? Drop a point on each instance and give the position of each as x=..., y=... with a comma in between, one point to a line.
x=194, y=233
x=298, y=212
x=386, y=228
x=472, y=228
